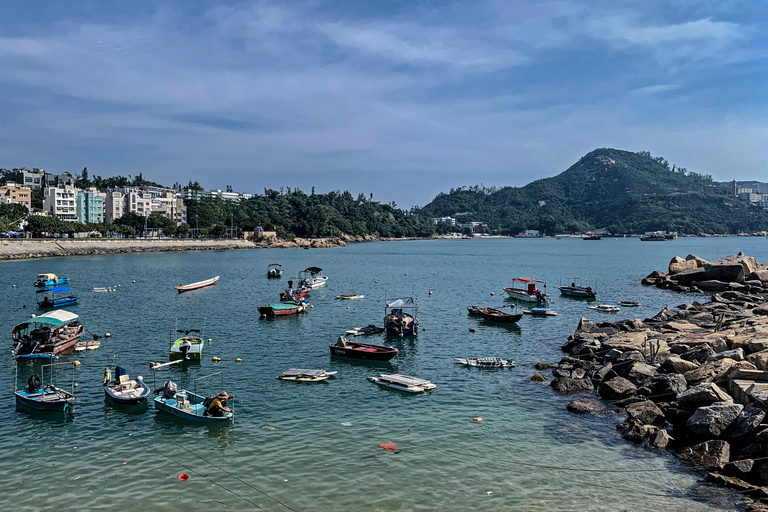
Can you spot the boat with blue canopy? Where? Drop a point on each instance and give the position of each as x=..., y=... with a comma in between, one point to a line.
x=50, y=300
x=191, y=406
x=47, y=335
x=50, y=280
x=44, y=396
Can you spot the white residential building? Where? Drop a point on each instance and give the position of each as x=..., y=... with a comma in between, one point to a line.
x=446, y=221
x=61, y=203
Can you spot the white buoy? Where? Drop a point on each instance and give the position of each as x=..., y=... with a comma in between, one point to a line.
x=14, y=286
x=210, y=340
x=107, y=335
x=32, y=315
x=312, y=306
x=347, y=307
x=134, y=281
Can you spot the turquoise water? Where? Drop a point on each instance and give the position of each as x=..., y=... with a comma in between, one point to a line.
x=316, y=447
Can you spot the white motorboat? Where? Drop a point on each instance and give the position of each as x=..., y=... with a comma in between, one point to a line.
x=486, y=362
x=350, y=296
x=528, y=292
x=404, y=383
x=313, y=280
x=606, y=308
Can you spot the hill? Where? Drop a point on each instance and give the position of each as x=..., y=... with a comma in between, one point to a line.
x=621, y=191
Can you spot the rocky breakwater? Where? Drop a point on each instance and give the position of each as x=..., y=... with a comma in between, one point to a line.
x=738, y=273
x=693, y=380
x=306, y=243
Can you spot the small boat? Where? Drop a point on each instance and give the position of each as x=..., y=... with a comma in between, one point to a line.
x=345, y=348
x=47, y=335
x=93, y=345
x=50, y=280
x=199, y=284
x=275, y=270
x=399, y=323
x=629, y=304
x=287, y=307
x=473, y=310
x=494, y=315
x=295, y=294
x=45, y=396
x=539, y=312
x=365, y=331
x=122, y=389
x=592, y=237
x=575, y=290
x=302, y=375
x=605, y=308
x=189, y=405
x=529, y=292
x=52, y=301
x=350, y=296
x=192, y=335
x=486, y=362
x=404, y=383
x=309, y=277
x=81, y=346
x=195, y=352
x=103, y=290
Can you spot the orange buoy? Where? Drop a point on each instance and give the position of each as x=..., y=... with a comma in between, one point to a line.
x=183, y=477
x=430, y=292
x=492, y=294
x=390, y=447
x=478, y=418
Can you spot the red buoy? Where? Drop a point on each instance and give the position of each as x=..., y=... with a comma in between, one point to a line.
x=183, y=477
x=390, y=447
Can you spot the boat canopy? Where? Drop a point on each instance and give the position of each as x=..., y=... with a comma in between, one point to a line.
x=526, y=280
x=275, y=265
x=406, y=302
x=56, y=290
x=55, y=318
x=47, y=277
x=313, y=270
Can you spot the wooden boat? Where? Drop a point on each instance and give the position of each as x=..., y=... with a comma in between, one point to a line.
x=528, y=292
x=605, y=308
x=302, y=375
x=199, y=284
x=44, y=396
x=288, y=307
x=122, y=389
x=350, y=296
x=629, y=303
x=275, y=270
x=47, y=335
x=50, y=280
x=486, y=362
x=365, y=331
x=352, y=349
x=309, y=277
x=539, y=312
x=404, y=383
x=191, y=330
x=494, y=315
x=81, y=346
x=399, y=323
x=576, y=291
x=189, y=405
x=52, y=301
x=93, y=345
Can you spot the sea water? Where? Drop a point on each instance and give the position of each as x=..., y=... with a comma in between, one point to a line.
x=316, y=446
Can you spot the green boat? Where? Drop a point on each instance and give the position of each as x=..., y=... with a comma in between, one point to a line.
x=287, y=307
x=191, y=339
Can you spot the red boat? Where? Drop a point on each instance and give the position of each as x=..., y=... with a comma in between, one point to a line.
x=282, y=308
x=199, y=284
x=494, y=315
x=345, y=348
x=294, y=294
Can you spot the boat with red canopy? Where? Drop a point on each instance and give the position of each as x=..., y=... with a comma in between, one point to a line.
x=199, y=284
x=527, y=291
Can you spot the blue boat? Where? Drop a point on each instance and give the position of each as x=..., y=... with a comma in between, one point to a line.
x=188, y=405
x=52, y=301
x=122, y=389
x=42, y=396
x=50, y=280
x=577, y=291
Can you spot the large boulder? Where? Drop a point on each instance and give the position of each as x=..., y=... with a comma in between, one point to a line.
x=709, y=371
x=757, y=345
x=703, y=394
x=735, y=354
x=678, y=264
x=571, y=385
x=687, y=277
x=758, y=275
x=645, y=412
x=667, y=386
x=699, y=354
x=713, y=285
x=709, y=454
x=598, y=373
x=617, y=388
x=640, y=372
x=700, y=262
x=713, y=420
x=585, y=405
x=678, y=365
x=749, y=419
x=731, y=269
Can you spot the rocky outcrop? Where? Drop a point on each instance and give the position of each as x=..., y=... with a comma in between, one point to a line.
x=708, y=455
x=729, y=273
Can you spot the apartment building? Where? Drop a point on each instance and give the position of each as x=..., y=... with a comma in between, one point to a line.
x=12, y=193
x=61, y=203
x=91, y=205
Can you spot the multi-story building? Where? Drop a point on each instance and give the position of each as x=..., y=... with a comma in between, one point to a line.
x=34, y=178
x=11, y=193
x=181, y=212
x=113, y=206
x=475, y=227
x=227, y=196
x=90, y=205
x=138, y=202
x=194, y=194
x=61, y=203
x=445, y=221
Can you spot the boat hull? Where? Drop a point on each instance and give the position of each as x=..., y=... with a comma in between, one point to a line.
x=379, y=352
x=125, y=400
x=270, y=311
x=577, y=292
x=524, y=296
x=51, y=282
x=494, y=315
x=195, y=286
x=57, y=303
x=50, y=400
x=195, y=352
x=193, y=412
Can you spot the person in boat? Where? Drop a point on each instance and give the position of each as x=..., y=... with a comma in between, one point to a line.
x=184, y=348
x=341, y=342
x=47, y=301
x=218, y=406
x=573, y=284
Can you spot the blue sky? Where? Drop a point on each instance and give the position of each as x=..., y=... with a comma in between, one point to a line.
x=402, y=99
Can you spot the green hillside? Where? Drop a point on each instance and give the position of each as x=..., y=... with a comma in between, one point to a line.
x=621, y=191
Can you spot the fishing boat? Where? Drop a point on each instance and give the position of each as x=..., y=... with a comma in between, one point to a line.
x=350, y=296
x=486, y=362
x=302, y=375
x=275, y=270
x=605, y=308
x=295, y=294
x=629, y=303
x=396, y=321
x=287, y=307
x=528, y=292
x=365, y=331
x=495, y=315
x=50, y=300
x=191, y=331
x=122, y=389
x=47, y=335
x=50, y=280
x=352, y=349
x=539, y=312
x=309, y=277
x=199, y=284
x=404, y=383
x=44, y=396
x=575, y=290
x=189, y=405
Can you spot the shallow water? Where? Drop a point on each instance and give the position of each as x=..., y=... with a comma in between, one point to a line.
x=316, y=447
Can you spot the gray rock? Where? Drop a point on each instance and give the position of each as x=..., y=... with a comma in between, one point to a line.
x=660, y=439
x=679, y=264
x=617, y=388
x=749, y=418
x=739, y=468
x=699, y=354
x=678, y=365
x=758, y=275
x=569, y=385
x=757, y=345
x=561, y=373
x=612, y=355
x=761, y=436
x=709, y=454
x=646, y=412
x=597, y=374
x=679, y=348
x=639, y=372
x=736, y=355
x=713, y=420
x=713, y=286
x=700, y=262
x=585, y=405
x=537, y=377
x=667, y=386
x=703, y=394
x=585, y=325
x=687, y=277
x=709, y=371
x=542, y=366
x=578, y=373
x=731, y=268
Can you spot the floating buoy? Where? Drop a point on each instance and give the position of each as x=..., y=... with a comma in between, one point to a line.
x=423, y=277
x=239, y=360
x=24, y=306
x=210, y=340
x=423, y=328
x=492, y=294
x=216, y=359
x=107, y=335
x=77, y=363
x=477, y=418
x=430, y=292
x=76, y=385
x=311, y=306
x=375, y=281
x=434, y=274
x=347, y=307
x=183, y=477
x=472, y=330
x=406, y=273
x=32, y=315
x=390, y=447
x=134, y=281
x=14, y=286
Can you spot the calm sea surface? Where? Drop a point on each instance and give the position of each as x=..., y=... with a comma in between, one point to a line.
x=316, y=447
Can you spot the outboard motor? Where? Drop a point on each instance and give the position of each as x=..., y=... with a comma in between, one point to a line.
x=169, y=389
x=33, y=384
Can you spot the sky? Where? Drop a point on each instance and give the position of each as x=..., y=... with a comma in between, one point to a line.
x=402, y=99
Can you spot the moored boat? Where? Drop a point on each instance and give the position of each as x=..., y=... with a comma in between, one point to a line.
x=122, y=389
x=199, y=284
x=50, y=280
x=287, y=307
x=352, y=349
x=275, y=270
x=539, y=312
x=188, y=346
x=309, y=277
x=365, y=331
x=629, y=303
x=47, y=335
x=295, y=294
x=592, y=237
x=191, y=406
x=44, y=396
x=52, y=301
x=495, y=315
x=575, y=290
x=350, y=296
x=528, y=292
x=473, y=310
x=303, y=375
x=404, y=383
x=486, y=362
x=396, y=321
x=605, y=308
